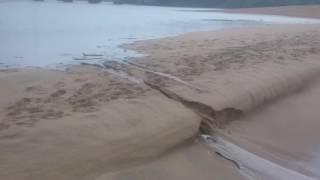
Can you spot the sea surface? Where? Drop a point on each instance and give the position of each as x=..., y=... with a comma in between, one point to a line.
x=54, y=33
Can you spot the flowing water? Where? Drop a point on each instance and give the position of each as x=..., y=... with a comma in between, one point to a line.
x=53, y=33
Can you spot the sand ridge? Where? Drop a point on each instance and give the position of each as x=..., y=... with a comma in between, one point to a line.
x=235, y=67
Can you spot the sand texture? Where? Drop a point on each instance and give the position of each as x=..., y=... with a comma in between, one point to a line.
x=140, y=119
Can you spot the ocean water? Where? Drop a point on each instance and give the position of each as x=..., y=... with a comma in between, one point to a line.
x=53, y=33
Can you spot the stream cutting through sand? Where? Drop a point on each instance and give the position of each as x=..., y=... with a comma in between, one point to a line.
x=249, y=164
x=140, y=109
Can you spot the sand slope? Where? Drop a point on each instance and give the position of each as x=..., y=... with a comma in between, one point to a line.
x=88, y=138
x=239, y=68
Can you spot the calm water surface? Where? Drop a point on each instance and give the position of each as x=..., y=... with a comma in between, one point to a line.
x=53, y=33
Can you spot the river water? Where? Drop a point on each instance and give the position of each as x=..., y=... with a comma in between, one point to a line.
x=53, y=33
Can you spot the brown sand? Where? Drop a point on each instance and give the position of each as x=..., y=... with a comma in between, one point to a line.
x=238, y=68
x=307, y=11
x=137, y=120
x=244, y=69
x=87, y=123
x=285, y=131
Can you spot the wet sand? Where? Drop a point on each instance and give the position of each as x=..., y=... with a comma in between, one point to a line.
x=306, y=11
x=91, y=123
x=285, y=131
x=141, y=119
x=235, y=81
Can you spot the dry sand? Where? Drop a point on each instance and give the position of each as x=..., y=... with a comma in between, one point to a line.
x=139, y=120
x=307, y=11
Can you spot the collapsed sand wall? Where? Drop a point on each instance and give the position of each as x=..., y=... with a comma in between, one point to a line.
x=221, y=98
x=249, y=88
x=234, y=95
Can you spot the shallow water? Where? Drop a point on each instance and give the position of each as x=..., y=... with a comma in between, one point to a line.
x=250, y=165
x=53, y=33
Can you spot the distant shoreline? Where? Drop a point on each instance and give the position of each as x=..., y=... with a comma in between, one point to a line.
x=306, y=11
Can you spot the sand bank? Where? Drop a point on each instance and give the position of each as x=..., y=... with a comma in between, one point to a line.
x=285, y=132
x=307, y=11
x=88, y=123
x=139, y=119
x=238, y=74
x=239, y=68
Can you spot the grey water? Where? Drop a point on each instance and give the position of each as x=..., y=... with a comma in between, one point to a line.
x=54, y=33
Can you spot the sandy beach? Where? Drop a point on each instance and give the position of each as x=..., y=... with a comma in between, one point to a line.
x=306, y=11
x=233, y=104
